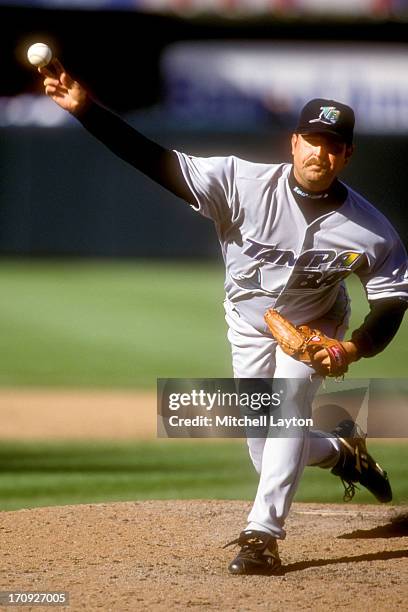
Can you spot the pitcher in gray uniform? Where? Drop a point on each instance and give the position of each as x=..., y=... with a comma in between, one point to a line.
x=290, y=234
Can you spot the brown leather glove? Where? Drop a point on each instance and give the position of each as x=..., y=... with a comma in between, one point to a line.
x=302, y=342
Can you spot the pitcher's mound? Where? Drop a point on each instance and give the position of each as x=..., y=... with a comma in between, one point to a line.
x=168, y=555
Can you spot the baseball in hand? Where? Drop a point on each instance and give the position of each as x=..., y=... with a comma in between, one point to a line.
x=39, y=54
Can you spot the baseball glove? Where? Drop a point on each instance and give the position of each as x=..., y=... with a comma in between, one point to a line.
x=302, y=342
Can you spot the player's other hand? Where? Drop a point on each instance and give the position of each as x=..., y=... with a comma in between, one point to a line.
x=321, y=359
x=63, y=89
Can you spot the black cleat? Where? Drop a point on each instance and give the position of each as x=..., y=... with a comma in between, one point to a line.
x=355, y=465
x=258, y=554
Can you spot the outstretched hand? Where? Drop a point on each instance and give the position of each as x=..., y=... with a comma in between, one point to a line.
x=63, y=89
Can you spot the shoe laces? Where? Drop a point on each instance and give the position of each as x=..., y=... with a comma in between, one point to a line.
x=251, y=551
x=250, y=542
x=349, y=490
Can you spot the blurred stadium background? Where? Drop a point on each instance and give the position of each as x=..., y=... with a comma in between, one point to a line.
x=109, y=281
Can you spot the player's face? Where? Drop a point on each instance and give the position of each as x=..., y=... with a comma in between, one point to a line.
x=318, y=159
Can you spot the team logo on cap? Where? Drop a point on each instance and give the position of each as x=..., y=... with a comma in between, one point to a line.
x=329, y=115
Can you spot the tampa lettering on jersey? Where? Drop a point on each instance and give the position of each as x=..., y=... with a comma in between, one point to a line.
x=314, y=268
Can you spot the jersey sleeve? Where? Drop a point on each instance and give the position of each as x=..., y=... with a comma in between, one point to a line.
x=386, y=274
x=212, y=183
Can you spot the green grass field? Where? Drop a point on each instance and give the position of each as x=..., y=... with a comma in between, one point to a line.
x=34, y=474
x=110, y=324
x=124, y=324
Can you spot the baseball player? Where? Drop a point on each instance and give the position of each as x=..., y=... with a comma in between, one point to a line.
x=290, y=234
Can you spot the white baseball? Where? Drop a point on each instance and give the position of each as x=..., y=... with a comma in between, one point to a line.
x=39, y=54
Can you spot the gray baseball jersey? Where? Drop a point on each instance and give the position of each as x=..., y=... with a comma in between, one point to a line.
x=274, y=258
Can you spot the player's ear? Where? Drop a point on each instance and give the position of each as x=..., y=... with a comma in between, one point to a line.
x=294, y=141
x=349, y=152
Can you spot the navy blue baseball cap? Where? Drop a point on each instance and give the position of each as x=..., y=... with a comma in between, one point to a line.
x=320, y=116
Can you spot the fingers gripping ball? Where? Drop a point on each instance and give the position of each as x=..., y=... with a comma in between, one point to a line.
x=301, y=342
x=39, y=55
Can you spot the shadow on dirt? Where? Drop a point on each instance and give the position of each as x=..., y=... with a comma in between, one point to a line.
x=384, y=555
x=396, y=528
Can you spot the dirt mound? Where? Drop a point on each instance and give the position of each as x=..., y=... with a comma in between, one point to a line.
x=168, y=555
